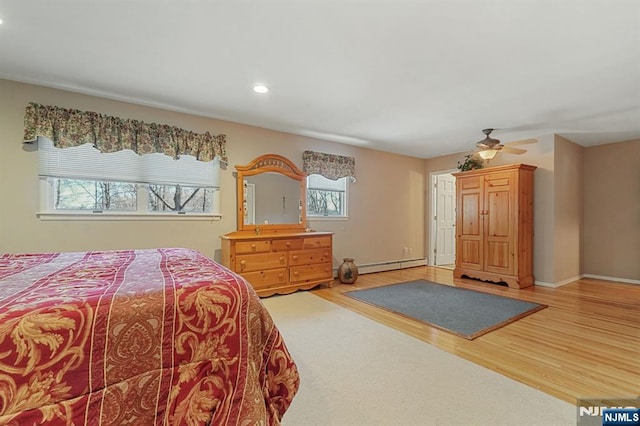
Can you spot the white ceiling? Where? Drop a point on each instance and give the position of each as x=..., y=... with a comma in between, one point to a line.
x=419, y=77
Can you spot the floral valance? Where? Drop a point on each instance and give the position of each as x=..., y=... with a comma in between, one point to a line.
x=330, y=166
x=71, y=127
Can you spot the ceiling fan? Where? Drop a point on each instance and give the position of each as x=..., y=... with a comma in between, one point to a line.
x=488, y=147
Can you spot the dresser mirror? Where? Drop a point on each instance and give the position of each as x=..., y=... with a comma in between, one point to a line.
x=271, y=195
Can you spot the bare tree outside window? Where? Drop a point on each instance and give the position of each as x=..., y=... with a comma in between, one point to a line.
x=324, y=203
x=75, y=194
x=179, y=198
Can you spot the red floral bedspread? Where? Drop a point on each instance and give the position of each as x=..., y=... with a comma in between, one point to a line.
x=141, y=337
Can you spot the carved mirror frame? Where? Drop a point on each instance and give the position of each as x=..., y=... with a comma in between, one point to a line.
x=264, y=164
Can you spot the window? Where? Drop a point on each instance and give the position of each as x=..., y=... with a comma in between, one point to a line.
x=326, y=197
x=83, y=180
x=93, y=195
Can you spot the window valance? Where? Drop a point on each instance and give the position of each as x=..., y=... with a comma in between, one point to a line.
x=330, y=166
x=71, y=127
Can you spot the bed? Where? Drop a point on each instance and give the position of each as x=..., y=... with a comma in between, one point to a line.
x=143, y=337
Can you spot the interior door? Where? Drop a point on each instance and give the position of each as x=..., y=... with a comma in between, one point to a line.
x=445, y=219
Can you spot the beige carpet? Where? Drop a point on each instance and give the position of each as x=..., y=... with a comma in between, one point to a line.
x=355, y=371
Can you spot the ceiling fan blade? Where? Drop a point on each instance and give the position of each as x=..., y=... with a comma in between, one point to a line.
x=511, y=150
x=522, y=142
x=489, y=144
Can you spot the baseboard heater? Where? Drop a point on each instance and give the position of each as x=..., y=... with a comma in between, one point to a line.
x=368, y=268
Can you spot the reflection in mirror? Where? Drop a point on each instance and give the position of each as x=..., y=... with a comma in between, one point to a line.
x=271, y=198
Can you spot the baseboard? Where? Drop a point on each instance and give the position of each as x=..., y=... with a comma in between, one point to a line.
x=392, y=265
x=620, y=280
x=576, y=278
x=559, y=283
x=369, y=268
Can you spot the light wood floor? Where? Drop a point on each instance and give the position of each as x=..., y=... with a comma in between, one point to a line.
x=584, y=345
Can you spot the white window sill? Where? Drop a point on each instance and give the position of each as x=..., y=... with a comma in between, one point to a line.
x=128, y=216
x=327, y=218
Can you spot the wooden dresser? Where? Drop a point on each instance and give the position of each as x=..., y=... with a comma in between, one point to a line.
x=280, y=262
x=494, y=224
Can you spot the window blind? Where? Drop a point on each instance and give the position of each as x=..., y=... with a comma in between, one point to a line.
x=86, y=162
x=317, y=181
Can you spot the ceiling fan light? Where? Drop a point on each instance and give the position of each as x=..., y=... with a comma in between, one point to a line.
x=488, y=154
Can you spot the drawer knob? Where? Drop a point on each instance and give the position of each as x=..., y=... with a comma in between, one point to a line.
x=288, y=243
x=281, y=259
x=243, y=263
x=295, y=257
x=296, y=273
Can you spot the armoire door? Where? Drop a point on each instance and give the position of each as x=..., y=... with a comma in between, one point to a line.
x=499, y=221
x=469, y=224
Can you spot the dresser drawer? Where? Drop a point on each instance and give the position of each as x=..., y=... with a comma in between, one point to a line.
x=305, y=257
x=260, y=261
x=311, y=272
x=253, y=246
x=284, y=245
x=279, y=262
x=264, y=279
x=316, y=242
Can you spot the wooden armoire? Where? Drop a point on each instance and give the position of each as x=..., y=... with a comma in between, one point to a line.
x=494, y=224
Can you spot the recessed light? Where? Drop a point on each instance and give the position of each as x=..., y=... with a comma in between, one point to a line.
x=260, y=88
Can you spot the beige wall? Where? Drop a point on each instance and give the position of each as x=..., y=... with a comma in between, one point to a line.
x=386, y=205
x=386, y=208
x=612, y=210
x=568, y=201
x=587, y=200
